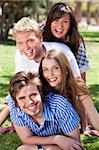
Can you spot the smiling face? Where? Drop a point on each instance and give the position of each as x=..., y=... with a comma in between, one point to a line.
x=28, y=44
x=60, y=27
x=29, y=100
x=52, y=72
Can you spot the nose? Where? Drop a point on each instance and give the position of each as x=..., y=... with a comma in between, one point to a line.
x=60, y=24
x=29, y=100
x=50, y=73
x=26, y=46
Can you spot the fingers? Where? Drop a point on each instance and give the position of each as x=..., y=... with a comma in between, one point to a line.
x=77, y=146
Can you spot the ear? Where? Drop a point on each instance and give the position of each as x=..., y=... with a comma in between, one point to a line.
x=41, y=37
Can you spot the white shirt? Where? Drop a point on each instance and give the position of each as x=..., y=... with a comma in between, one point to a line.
x=23, y=64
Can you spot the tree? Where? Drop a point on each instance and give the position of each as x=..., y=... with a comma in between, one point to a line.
x=78, y=10
x=89, y=3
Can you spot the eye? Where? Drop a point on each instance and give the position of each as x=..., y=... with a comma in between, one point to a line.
x=30, y=40
x=56, y=67
x=57, y=19
x=65, y=20
x=22, y=98
x=33, y=95
x=45, y=69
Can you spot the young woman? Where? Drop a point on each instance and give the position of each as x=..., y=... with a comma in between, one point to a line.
x=61, y=26
x=55, y=74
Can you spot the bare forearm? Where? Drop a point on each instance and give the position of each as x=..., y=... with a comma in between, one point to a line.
x=93, y=115
x=39, y=140
x=4, y=114
x=58, y=141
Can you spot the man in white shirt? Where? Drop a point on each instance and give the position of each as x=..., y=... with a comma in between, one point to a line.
x=31, y=49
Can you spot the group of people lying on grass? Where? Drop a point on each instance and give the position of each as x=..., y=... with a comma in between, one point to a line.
x=54, y=54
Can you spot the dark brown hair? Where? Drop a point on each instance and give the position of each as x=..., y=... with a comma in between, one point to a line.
x=73, y=37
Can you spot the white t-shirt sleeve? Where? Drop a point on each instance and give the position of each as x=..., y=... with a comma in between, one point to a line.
x=66, y=50
x=74, y=66
x=71, y=59
x=18, y=63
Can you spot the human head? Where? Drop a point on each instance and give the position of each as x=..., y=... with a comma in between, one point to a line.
x=28, y=37
x=21, y=80
x=58, y=11
x=68, y=83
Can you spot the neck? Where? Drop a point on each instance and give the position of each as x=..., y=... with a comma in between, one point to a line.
x=39, y=117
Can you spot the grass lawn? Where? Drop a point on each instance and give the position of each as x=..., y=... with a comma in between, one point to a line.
x=10, y=142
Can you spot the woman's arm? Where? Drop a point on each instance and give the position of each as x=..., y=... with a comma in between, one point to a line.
x=85, y=98
x=93, y=115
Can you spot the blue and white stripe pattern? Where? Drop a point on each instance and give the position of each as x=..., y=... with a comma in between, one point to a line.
x=59, y=117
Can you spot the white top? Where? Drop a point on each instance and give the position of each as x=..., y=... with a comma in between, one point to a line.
x=23, y=64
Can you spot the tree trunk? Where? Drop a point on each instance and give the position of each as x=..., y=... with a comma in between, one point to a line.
x=78, y=10
x=89, y=3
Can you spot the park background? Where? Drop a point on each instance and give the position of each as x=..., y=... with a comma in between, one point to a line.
x=87, y=15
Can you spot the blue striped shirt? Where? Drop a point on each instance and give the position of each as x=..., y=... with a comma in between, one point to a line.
x=59, y=117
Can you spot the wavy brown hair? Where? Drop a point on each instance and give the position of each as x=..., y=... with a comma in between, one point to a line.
x=71, y=87
x=73, y=37
x=68, y=86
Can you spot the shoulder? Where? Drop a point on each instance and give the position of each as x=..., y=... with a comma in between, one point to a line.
x=56, y=45
x=61, y=107
x=57, y=101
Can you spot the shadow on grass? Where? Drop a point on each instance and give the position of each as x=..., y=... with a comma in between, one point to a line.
x=4, y=86
x=9, y=142
x=89, y=140
x=8, y=42
x=90, y=36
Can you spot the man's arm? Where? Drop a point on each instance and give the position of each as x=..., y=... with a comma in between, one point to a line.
x=62, y=142
x=4, y=114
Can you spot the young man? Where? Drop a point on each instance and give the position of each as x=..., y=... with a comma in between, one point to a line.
x=39, y=121
x=31, y=49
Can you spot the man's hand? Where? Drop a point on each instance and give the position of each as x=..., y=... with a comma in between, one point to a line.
x=67, y=143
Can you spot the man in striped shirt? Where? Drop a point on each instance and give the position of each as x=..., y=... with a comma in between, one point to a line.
x=41, y=120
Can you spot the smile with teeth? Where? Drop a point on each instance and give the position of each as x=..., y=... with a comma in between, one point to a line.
x=52, y=79
x=58, y=30
x=32, y=106
x=29, y=51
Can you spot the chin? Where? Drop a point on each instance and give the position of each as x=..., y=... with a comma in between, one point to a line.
x=30, y=58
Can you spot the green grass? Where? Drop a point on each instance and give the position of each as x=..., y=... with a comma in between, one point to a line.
x=7, y=49
x=6, y=67
x=90, y=36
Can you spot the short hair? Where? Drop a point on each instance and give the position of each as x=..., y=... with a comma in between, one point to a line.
x=26, y=24
x=21, y=79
